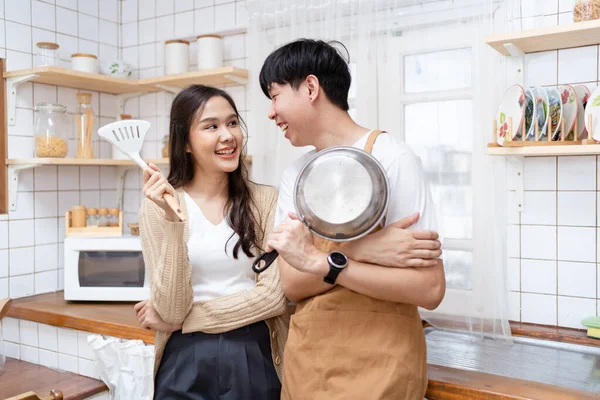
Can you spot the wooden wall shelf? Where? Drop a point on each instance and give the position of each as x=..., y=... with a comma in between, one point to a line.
x=77, y=80
x=551, y=38
x=124, y=89
x=101, y=83
x=538, y=151
x=104, y=162
x=215, y=77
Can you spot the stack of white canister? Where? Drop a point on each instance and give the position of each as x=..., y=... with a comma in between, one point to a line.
x=177, y=54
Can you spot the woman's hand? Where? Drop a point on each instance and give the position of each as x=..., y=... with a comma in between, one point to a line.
x=149, y=318
x=294, y=243
x=155, y=186
x=398, y=246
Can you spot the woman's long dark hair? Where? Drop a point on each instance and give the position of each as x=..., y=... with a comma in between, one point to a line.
x=185, y=111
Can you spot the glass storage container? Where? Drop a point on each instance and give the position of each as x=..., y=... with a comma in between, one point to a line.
x=51, y=128
x=84, y=126
x=46, y=54
x=103, y=219
x=165, y=149
x=113, y=217
x=92, y=217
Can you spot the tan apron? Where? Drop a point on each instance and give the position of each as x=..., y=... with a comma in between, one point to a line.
x=343, y=345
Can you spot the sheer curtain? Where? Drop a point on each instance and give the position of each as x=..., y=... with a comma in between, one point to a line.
x=421, y=71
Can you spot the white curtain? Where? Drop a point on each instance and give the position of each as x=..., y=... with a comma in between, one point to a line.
x=421, y=71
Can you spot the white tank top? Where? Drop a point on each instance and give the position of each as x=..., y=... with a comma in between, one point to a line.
x=215, y=273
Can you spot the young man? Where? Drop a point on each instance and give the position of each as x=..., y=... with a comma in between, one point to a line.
x=356, y=333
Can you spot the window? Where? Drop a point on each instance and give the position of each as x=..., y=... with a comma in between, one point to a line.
x=436, y=122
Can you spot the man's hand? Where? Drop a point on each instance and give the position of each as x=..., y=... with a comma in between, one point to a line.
x=149, y=318
x=294, y=242
x=398, y=246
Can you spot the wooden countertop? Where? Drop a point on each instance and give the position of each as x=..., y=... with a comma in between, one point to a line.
x=20, y=377
x=119, y=320
x=456, y=384
x=106, y=318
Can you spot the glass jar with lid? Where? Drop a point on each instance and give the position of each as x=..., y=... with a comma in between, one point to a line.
x=46, y=54
x=113, y=217
x=103, y=217
x=51, y=130
x=92, y=217
x=84, y=126
x=165, y=149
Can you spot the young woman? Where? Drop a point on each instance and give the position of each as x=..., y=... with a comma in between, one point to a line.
x=220, y=329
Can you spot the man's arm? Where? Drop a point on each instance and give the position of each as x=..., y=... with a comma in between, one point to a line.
x=423, y=287
x=299, y=285
x=303, y=267
x=303, y=272
x=407, y=248
x=393, y=246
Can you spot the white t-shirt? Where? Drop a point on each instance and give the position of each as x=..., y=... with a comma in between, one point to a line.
x=214, y=272
x=409, y=191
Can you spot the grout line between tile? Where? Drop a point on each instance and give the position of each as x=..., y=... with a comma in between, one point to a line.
x=557, y=242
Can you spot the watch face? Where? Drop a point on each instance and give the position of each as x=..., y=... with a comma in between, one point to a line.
x=338, y=258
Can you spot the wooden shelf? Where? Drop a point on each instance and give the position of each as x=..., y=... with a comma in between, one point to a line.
x=101, y=83
x=551, y=38
x=213, y=77
x=105, y=162
x=78, y=80
x=536, y=151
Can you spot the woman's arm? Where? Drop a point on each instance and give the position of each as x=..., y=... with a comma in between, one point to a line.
x=167, y=264
x=265, y=300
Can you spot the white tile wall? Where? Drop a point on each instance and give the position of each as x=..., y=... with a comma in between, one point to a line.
x=557, y=260
x=144, y=29
x=56, y=348
x=31, y=237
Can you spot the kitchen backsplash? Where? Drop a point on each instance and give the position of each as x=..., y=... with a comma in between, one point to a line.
x=31, y=238
x=553, y=270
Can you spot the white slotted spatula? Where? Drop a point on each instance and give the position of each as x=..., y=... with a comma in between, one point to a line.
x=128, y=136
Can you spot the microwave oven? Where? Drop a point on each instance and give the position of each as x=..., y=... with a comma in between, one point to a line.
x=104, y=269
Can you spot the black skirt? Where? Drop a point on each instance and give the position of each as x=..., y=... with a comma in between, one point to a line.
x=235, y=365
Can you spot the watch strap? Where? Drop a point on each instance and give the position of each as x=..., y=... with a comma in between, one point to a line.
x=331, y=277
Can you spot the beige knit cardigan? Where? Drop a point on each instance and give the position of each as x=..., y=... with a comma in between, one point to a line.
x=164, y=246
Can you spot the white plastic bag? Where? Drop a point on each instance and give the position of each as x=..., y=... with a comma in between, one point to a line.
x=125, y=366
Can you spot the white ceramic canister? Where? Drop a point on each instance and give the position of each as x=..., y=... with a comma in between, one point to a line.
x=177, y=56
x=210, y=51
x=84, y=62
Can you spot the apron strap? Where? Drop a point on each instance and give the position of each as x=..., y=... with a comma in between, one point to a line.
x=371, y=140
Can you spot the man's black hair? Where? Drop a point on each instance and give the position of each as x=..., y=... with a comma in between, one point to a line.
x=293, y=62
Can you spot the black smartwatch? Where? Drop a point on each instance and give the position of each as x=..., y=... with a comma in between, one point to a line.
x=337, y=262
